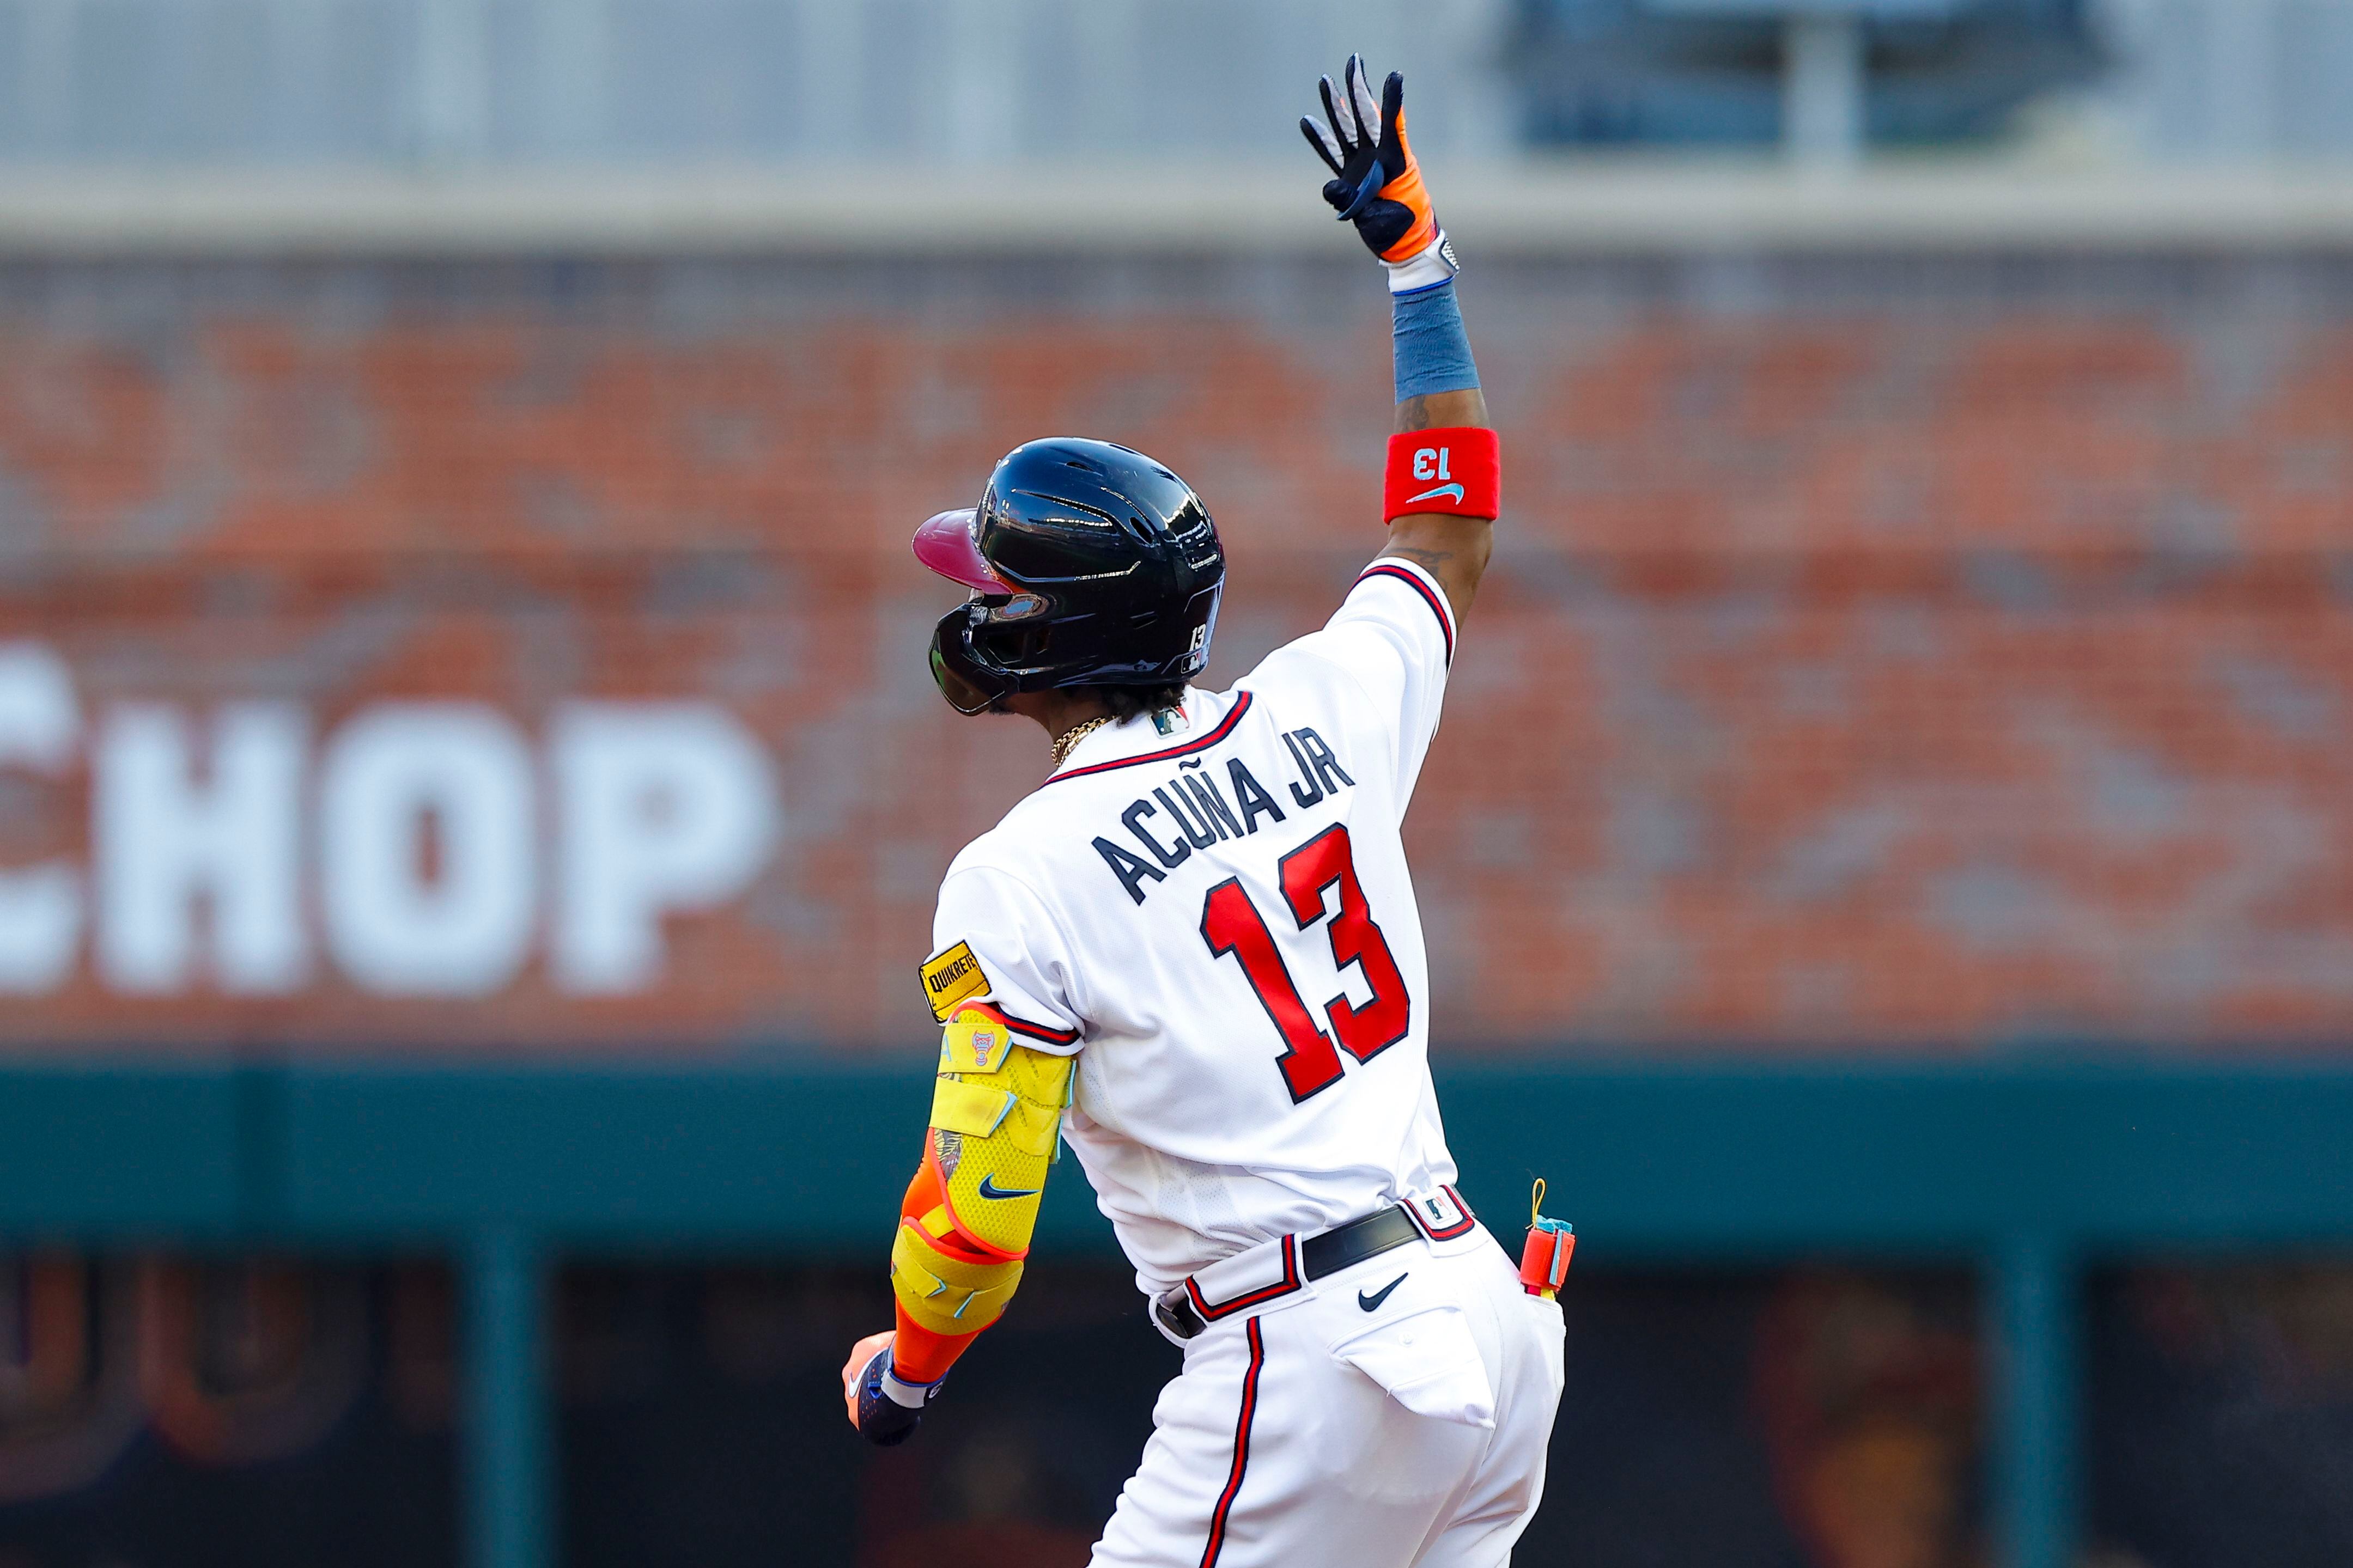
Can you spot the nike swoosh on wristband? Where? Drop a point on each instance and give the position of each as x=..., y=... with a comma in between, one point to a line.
x=1454, y=490
x=989, y=1189
x=1372, y=1303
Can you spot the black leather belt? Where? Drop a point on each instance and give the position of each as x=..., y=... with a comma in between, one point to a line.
x=1344, y=1245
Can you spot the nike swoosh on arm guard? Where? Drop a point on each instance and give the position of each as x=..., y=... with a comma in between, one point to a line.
x=969, y=1216
x=997, y=1123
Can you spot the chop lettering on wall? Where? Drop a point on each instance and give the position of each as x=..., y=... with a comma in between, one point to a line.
x=415, y=849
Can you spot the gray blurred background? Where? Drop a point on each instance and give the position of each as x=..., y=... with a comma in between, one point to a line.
x=454, y=85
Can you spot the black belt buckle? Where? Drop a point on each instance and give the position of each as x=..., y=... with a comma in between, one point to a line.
x=1175, y=1313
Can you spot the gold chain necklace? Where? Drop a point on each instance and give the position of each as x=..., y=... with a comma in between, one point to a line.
x=1072, y=737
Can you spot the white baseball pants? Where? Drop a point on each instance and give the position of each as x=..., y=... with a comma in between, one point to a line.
x=1393, y=1415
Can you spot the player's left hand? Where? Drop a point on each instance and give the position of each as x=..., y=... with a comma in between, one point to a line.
x=879, y=1419
x=1377, y=182
x=860, y=1354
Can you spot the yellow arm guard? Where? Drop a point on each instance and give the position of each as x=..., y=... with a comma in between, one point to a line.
x=996, y=1120
x=944, y=1293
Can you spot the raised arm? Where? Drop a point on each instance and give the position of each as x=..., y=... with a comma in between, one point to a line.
x=1442, y=480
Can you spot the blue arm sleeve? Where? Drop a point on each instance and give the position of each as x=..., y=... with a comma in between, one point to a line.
x=1434, y=352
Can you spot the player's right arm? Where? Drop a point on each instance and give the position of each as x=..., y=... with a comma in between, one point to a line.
x=1442, y=483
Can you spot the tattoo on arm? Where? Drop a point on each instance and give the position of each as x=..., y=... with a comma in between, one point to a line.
x=1434, y=560
x=1441, y=410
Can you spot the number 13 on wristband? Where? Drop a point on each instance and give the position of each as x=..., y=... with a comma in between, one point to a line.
x=1456, y=472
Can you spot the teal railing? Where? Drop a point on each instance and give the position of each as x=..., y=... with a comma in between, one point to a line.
x=2030, y=1171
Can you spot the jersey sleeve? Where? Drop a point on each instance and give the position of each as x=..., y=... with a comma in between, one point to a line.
x=994, y=941
x=1395, y=633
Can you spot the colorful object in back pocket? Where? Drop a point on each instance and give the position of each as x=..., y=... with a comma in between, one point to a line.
x=1544, y=1261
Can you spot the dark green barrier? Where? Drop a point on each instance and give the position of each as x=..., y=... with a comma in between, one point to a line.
x=2028, y=1170
x=125, y=1152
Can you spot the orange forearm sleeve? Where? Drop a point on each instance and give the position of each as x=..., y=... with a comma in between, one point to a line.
x=920, y=1355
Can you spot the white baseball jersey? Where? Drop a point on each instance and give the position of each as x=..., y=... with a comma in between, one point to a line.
x=1219, y=922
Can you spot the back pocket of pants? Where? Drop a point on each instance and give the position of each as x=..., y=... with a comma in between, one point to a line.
x=1428, y=1362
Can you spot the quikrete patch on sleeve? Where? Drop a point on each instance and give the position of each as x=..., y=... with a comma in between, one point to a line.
x=1458, y=471
x=951, y=978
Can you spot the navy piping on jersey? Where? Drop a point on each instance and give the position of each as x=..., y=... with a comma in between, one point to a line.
x=1241, y=1447
x=1430, y=597
x=1225, y=728
x=1280, y=1289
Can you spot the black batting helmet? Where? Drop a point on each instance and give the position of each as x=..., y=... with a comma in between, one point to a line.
x=1090, y=564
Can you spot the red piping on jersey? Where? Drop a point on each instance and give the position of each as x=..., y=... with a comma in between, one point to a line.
x=1224, y=728
x=1445, y=621
x=1241, y=1447
x=1281, y=1288
x=1019, y=1025
x=1038, y=1031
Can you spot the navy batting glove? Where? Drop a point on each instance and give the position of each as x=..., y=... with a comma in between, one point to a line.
x=1376, y=181
x=883, y=1420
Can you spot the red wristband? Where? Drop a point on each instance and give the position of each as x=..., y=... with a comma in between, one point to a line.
x=1458, y=472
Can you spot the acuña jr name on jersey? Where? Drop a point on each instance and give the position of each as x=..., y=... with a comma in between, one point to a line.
x=1209, y=815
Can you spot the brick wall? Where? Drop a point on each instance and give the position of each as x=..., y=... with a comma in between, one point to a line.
x=1909, y=654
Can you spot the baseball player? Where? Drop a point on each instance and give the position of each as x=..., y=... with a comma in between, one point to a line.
x=1194, y=955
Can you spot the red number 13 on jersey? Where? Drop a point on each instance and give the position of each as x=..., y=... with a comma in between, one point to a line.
x=1232, y=923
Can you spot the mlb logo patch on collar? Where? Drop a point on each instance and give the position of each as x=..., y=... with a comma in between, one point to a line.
x=951, y=978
